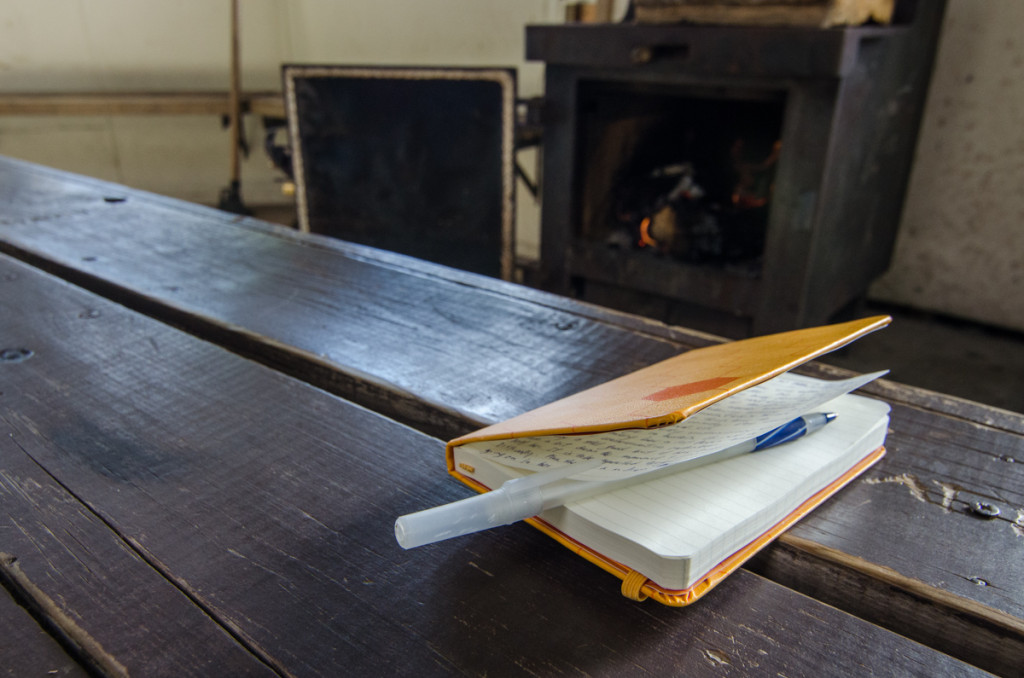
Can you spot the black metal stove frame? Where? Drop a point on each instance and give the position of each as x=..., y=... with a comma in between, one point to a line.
x=852, y=101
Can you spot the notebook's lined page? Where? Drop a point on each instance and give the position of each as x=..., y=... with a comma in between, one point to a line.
x=709, y=512
x=738, y=418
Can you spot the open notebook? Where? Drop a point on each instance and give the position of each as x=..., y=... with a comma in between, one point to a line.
x=685, y=531
x=674, y=535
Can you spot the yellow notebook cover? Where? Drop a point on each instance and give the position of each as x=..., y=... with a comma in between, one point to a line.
x=668, y=392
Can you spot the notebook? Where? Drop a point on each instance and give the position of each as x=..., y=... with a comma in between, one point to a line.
x=673, y=536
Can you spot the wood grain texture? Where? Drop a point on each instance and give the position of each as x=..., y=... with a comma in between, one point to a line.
x=388, y=332
x=86, y=585
x=448, y=351
x=271, y=291
x=906, y=543
x=271, y=503
x=27, y=649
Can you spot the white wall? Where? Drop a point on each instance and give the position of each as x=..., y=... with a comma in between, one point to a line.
x=961, y=243
x=960, y=249
x=142, y=45
x=159, y=45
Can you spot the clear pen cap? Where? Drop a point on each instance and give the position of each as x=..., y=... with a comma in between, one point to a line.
x=484, y=511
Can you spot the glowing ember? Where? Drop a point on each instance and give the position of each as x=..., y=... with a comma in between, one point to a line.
x=645, y=237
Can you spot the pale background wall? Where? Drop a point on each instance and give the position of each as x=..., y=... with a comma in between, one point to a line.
x=961, y=241
x=184, y=45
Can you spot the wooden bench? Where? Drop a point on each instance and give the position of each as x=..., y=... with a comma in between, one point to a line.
x=266, y=504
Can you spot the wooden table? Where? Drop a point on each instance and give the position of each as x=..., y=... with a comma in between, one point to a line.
x=208, y=425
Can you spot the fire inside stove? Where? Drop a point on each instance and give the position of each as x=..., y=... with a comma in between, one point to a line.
x=688, y=178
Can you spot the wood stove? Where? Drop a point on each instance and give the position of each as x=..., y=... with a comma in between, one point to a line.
x=745, y=180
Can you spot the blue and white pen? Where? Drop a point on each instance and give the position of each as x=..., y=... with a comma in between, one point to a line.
x=528, y=496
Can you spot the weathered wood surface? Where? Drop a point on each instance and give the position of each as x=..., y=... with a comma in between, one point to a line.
x=418, y=342
x=133, y=452
x=387, y=331
x=345, y=316
x=83, y=579
x=27, y=649
x=903, y=548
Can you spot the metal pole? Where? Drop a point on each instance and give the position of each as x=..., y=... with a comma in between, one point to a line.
x=231, y=197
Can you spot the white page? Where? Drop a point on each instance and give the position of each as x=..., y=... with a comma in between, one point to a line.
x=739, y=417
x=709, y=512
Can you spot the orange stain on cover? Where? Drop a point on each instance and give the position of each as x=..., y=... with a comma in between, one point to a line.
x=689, y=389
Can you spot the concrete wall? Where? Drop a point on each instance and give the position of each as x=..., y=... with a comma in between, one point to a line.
x=960, y=249
x=961, y=241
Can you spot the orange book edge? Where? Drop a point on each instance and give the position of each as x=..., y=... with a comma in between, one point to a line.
x=637, y=586
x=671, y=390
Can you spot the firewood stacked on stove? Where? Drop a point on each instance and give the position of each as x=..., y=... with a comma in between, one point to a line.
x=817, y=13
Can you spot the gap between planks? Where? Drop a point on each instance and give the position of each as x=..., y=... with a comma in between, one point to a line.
x=890, y=577
x=74, y=638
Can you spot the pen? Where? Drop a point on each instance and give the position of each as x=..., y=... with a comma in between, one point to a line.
x=521, y=498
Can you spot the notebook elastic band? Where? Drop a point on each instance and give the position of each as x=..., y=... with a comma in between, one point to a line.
x=631, y=585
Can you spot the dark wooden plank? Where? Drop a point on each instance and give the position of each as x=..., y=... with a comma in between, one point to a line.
x=334, y=312
x=272, y=504
x=904, y=548
x=447, y=351
x=109, y=608
x=342, y=318
x=27, y=649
